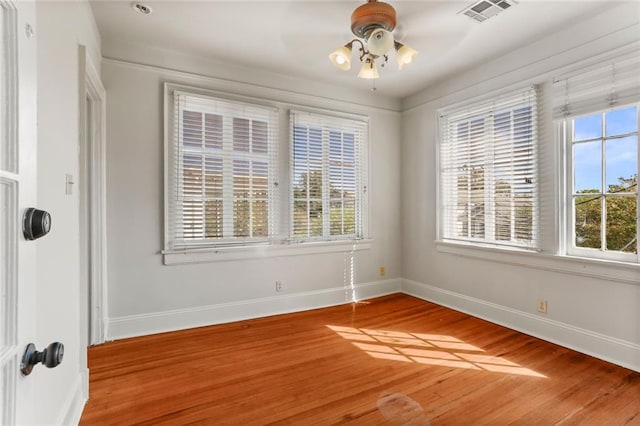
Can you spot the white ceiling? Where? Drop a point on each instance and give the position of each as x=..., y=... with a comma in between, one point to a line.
x=294, y=37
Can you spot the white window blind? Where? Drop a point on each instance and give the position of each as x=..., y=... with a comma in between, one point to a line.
x=222, y=172
x=596, y=88
x=488, y=171
x=328, y=164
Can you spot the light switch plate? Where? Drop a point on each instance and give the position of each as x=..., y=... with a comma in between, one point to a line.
x=69, y=184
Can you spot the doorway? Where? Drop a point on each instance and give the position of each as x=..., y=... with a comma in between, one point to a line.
x=93, y=237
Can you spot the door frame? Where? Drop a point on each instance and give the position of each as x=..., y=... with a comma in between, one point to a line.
x=9, y=350
x=93, y=201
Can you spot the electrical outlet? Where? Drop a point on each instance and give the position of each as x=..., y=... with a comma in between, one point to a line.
x=278, y=285
x=382, y=271
x=542, y=306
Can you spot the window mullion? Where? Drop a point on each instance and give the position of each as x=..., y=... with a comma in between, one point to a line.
x=603, y=177
x=569, y=198
x=469, y=181
x=603, y=224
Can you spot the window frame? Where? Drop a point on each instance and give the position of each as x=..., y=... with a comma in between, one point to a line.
x=324, y=120
x=480, y=107
x=565, y=128
x=280, y=244
x=173, y=173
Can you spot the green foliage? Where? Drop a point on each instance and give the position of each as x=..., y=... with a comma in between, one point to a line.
x=621, y=217
x=308, y=216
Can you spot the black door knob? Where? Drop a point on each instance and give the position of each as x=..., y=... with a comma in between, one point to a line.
x=35, y=223
x=51, y=357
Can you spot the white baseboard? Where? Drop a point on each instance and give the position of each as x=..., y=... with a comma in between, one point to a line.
x=617, y=351
x=140, y=325
x=74, y=404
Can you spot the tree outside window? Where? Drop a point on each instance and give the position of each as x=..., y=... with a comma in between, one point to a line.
x=605, y=180
x=324, y=182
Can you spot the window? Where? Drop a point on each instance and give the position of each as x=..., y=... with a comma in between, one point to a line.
x=488, y=172
x=328, y=177
x=221, y=172
x=604, y=195
x=597, y=114
x=222, y=180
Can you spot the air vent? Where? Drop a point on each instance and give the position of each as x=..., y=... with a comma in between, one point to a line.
x=482, y=10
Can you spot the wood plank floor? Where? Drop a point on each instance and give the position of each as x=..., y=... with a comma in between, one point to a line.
x=390, y=360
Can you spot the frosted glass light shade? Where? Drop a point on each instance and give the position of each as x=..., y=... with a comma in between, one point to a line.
x=368, y=70
x=404, y=55
x=341, y=58
x=380, y=41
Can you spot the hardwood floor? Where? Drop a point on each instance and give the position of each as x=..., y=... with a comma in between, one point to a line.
x=390, y=360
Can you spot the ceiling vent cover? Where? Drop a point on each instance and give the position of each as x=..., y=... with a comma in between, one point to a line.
x=482, y=10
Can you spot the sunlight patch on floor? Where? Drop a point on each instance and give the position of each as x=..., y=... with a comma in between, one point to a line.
x=429, y=349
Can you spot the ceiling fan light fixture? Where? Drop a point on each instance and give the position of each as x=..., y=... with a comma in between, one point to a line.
x=372, y=24
x=341, y=57
x=380, y=41
x=368, y=70
x=404, y=54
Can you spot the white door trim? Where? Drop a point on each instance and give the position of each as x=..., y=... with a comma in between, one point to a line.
x=93, y=98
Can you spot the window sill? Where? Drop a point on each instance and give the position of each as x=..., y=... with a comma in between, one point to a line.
x=593, y=268
x=221, y=254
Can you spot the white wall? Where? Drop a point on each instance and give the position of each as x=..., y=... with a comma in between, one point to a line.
x=146, y=296
x=595, y=315
x=60, y=28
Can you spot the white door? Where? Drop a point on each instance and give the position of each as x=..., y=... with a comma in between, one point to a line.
x=18, y=165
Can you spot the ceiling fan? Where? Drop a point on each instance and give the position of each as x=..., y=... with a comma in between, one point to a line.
x=372, y=24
